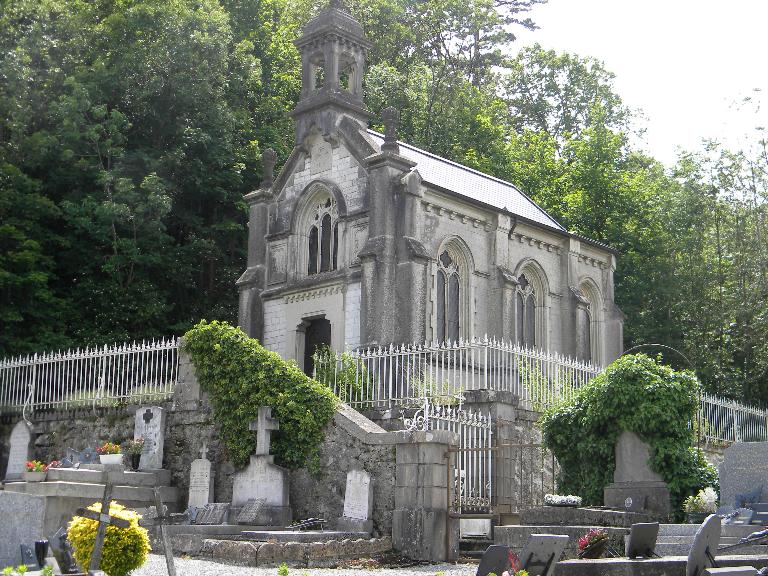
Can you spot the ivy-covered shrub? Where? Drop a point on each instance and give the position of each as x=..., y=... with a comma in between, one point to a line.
x=637, y=394
x=240, y=375
x=125, y=549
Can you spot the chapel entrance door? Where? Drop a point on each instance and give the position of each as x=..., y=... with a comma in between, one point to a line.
x=317, y=333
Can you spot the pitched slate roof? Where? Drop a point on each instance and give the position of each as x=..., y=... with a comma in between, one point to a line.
x=473, y=184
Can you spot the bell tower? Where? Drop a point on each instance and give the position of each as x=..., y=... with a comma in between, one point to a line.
x=333, y=48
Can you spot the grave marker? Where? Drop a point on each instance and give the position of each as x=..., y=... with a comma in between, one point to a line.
x=20, y=448
x=358, y=503
x=744, y=474
x=249, y=514
x=263, y=428
x=167, y=548
x=150, y=425
x=200, y=481
x=214, y=513
x=704, y=547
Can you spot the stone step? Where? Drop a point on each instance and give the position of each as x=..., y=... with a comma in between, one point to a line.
x=301, y=535
x=128, y=495
x=738, y=530
x=682, y=549
x=117, y=477
x=468, y=545
x=724, y=540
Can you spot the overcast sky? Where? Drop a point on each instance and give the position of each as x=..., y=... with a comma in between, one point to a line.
x=685, y=63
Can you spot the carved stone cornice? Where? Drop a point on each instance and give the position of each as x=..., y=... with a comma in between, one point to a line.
x=536, y=242
x=451, y=214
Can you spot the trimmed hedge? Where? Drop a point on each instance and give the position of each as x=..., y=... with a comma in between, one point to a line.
x=637, y=394
x=240, y=375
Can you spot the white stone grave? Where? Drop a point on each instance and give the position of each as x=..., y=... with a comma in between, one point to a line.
x=262, y=479
x=20, y=446
x=358, y=503
x=150, y=425
x=200, y=481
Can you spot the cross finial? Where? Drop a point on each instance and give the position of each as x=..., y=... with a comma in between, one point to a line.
x=268, y=159
x=204, y=451
x=148, y=415
x=391, y=116
x=264, y=427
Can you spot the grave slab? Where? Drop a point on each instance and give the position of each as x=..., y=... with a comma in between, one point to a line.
x=200, y=483
x=358, y=503
x=744, y=471
x=20, y=447
x=149, y=424
x=668, y=566
x=28, y=514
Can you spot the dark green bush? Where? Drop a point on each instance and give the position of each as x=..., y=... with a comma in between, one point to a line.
x=637, y=394
x=240, y=375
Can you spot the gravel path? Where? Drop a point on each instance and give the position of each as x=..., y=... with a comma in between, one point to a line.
x=155, y=566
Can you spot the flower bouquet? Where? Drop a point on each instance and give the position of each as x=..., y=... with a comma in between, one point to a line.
x=134, y=448
x=593, y=543
x=698, y=507
x=557, y=500
x=35, y=471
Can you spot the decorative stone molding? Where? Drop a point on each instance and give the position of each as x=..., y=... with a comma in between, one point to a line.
x=430, y=207
x=592, y=261
x=313, y=294
x=535, y=242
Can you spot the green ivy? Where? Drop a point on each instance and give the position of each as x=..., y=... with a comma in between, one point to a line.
x=637, y=394
x=240, y=375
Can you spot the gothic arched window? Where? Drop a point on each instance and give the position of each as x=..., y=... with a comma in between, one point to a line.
x=526, y=312
x=448, y=298
x=323, y=237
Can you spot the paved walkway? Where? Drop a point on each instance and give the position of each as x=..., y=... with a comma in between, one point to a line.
x=155, y=566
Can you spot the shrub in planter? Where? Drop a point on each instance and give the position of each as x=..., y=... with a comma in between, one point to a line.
x=125, y=549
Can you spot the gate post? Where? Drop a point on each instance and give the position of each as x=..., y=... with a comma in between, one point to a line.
x=422, y=527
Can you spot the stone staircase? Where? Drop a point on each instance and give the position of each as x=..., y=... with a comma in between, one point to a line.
x=676, y=539
x=473, y=546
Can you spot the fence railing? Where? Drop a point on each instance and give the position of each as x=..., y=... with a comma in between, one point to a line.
x=727, y=421
x=93, y=377
x=404, y=375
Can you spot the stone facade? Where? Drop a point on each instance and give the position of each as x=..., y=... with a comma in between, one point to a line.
x=373, y=269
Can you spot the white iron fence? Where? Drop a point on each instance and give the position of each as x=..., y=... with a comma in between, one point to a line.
x=404, y=375
x=93, y=377
x=471, y=470
x=727, y=421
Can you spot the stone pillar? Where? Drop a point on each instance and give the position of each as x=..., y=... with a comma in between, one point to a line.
x=421, y=524
x=508, y=295
x=251, y=283
x=568, y=307
x=186, y=395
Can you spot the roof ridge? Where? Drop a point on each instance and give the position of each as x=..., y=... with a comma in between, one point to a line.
x=473, y=171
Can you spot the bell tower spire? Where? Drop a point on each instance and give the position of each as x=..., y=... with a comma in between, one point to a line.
x=333, y=49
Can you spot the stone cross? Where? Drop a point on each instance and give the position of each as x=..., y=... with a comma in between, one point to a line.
x=148, y=416
x=167, y=548
x=104, y=520
x=263, y=428
x=204, y=451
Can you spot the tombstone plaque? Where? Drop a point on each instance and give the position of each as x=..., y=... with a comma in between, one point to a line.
x=200, y=481
x=215, y=513
x=28, y=557
x=150, y=425
x=358, y=502
x=19, y=450
x=249, y=514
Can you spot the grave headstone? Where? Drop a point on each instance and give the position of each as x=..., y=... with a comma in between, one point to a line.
x=636, y=487
x=214, y=513
x=542, y=552
x=263, y=479
x=200, y=481
x=744, y=472
x=28, y=557
x=704, y=547
x=358, y=503
x=149, y=424
x=17, y=505
x=249, y=514
x=20, y=447
x=495, y=560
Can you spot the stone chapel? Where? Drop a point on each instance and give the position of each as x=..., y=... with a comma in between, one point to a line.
x=362, y=240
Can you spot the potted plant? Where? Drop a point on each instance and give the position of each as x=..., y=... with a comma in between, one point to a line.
x=593, y=543
x=698, y=507
x=35, y=471
x=133, y=448
x=109, y=453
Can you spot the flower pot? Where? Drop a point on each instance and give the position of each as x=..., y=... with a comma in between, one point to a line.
x=594, y=550
x=135, y=460
x=34, y=476
x=111, y=459
x=696, y=517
